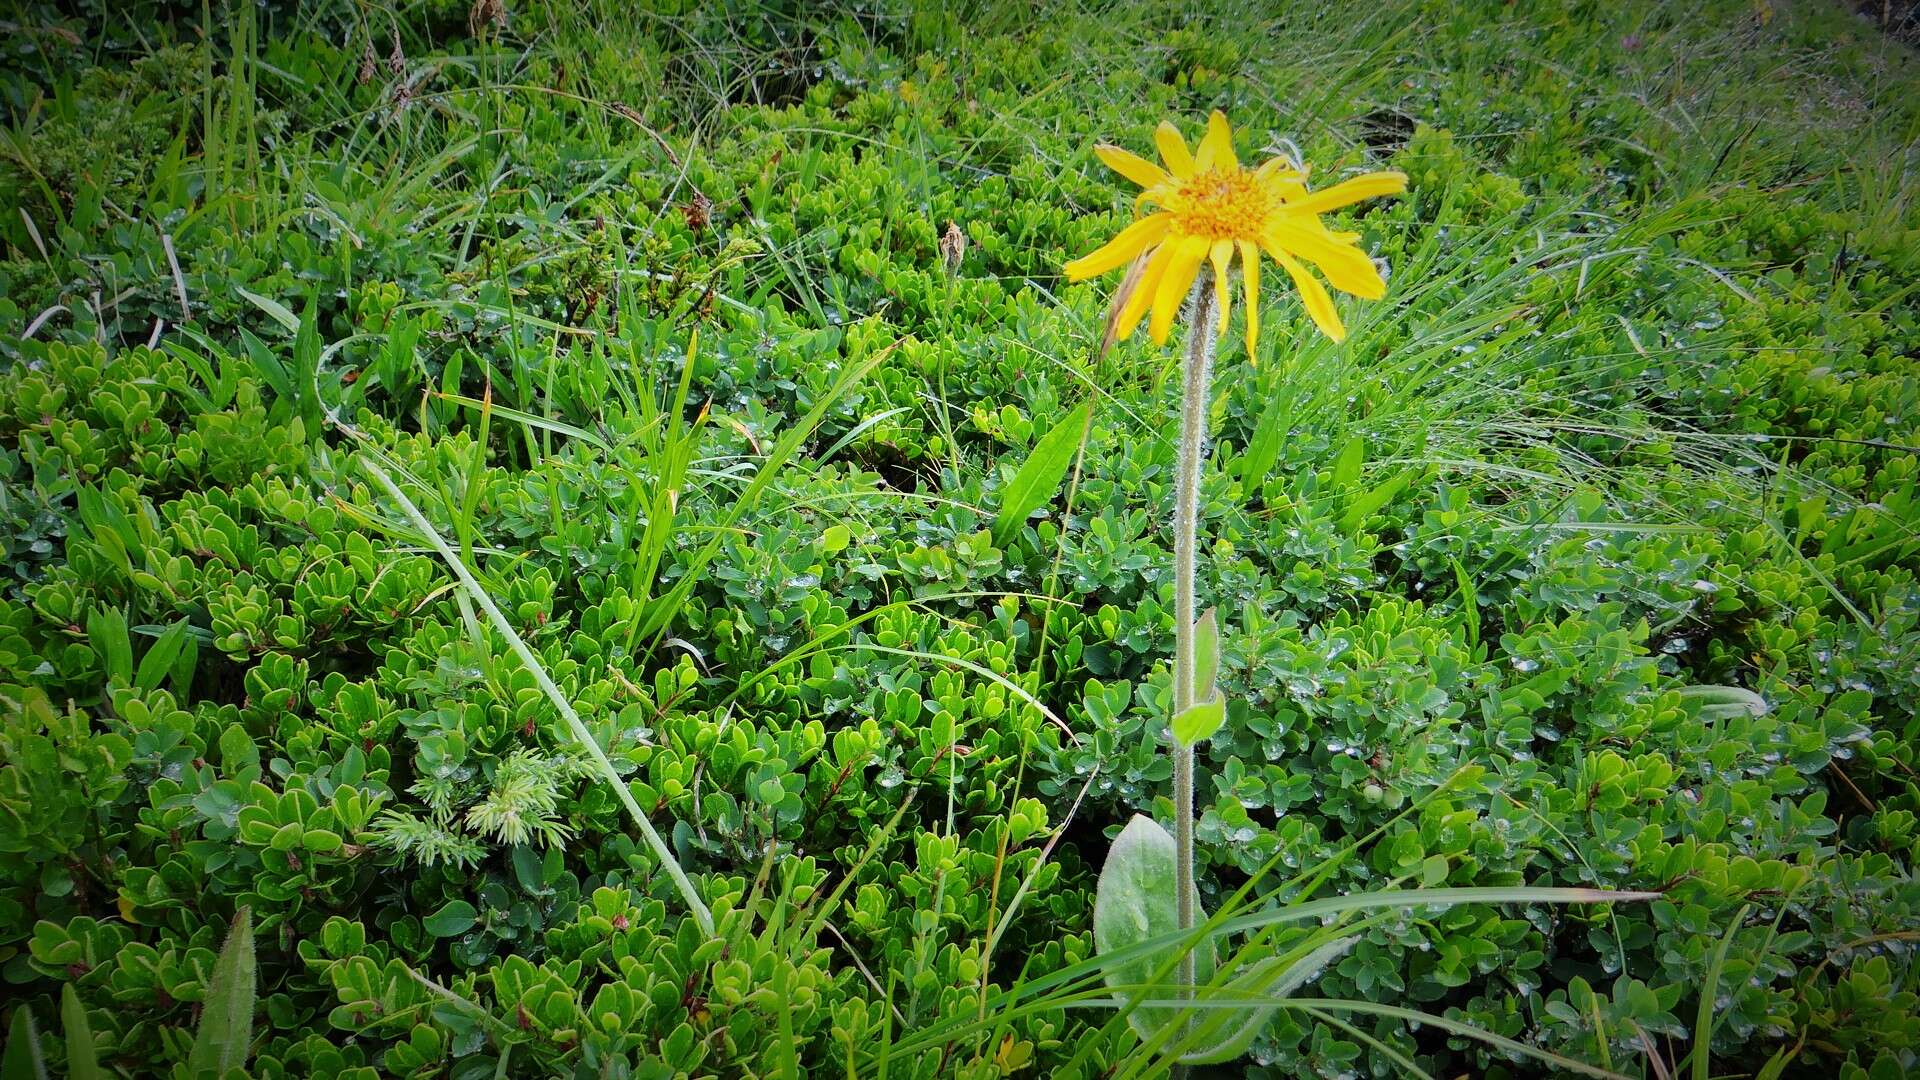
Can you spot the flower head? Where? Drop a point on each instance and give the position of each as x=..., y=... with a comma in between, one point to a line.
x=1210, y=208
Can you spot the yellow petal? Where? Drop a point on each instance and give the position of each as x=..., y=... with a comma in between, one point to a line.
x=1313, y=294
x=1120, y=250
x=1132, y=166
x=1346, y=266
x=1317, y=225
x=1278, y=168
x=1153, y=196
x=1216, y=148
x=1142, y=297
x=1250, y=272
x=1348, y=192
x=1175, y=284
x=1222, y=256
x=1173, y=150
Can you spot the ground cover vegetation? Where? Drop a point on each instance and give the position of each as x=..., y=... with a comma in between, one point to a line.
x=566, y=539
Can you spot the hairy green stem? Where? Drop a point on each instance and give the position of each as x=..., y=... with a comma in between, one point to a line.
x=1203, y=316
x=701, y=916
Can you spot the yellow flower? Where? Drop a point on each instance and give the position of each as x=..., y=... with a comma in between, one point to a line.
x=1211, y=208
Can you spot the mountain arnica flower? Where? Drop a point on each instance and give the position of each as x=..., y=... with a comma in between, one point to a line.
x=1208, y=208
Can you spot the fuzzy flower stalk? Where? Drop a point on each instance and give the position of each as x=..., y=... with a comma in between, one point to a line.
x=1201, y=211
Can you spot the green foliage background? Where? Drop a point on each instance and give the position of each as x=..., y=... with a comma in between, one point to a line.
x=1638, y=417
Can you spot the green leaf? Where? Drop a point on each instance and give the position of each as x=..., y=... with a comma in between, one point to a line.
x=275, y=310
x=306, y=363
x=1776, y=1066
x=107, y=633
x=520, y=417
x=1346, y=467
x=1703, y=1025
x=225, y=1034
x=454, y=917
x=1517, y=1050
x=527, y=868
x=82, y=1061
x=1200, y=721
x=1725, y=702
x=1040, y=475
x=184, y=665
x=267, y=367
x=321, y=841
x=1263, y=446
x=1134, y=903
x=162, y=657
x=1369, y=502
x=834, y=539
x=22, y=1060
x=1206, y=656
x=239, y=754
x=1469, y=602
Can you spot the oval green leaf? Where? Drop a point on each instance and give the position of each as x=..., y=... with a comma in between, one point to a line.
x=454, y=917
x=1198, y=722
x=1134, y=903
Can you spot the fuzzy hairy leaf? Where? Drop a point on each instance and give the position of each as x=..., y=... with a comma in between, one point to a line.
x=82, y=1062
x=22, y=1059
x=226, y=1021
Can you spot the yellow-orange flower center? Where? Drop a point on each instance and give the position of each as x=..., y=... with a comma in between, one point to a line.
x=1218, y=205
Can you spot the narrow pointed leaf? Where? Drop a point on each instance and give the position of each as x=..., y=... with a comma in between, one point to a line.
x=22, y=1060
x=1725, y=702
x=159, y=660
x=82, y=1062
x=1370, y=502
x=226, y=1019
x=1206, y=656
x=107, y=633
x=275, y=310
x=1040, y=475
x=1346, y=468
x=1263, y=446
